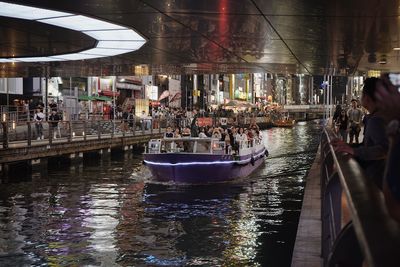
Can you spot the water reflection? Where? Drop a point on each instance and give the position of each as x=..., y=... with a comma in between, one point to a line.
x=106, y=213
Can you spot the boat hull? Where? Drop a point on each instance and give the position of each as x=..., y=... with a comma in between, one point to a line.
x=201, y=168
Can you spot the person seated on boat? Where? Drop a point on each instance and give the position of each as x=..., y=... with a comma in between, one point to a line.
x=258, y=136
x=227, y=140
x=202, y=134
x=210, y=131
x=240, y=138
x=254, y=125
x=186, y=132
x=250, y=137
x=177, y=133
x=169, y=133
x=216, y=134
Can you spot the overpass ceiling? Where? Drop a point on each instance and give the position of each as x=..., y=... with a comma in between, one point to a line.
x=216, y=36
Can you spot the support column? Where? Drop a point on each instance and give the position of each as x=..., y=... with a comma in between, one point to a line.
x=38, y=164
x=105, y=153
x=75, y=157
x=4, y=171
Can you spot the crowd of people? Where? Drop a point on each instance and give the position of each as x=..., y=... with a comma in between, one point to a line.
x=379, y=153
x=232, y=136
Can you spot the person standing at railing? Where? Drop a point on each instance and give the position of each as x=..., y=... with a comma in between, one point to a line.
x=26, y=109
x=355, y=115
x=341, y=123
x=388, y=100
x=54, y=119
x=372, y=154
x=38, y=118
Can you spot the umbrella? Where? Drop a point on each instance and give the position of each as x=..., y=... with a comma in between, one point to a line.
x=102, y=98
x=231, y=103
x=85, y=97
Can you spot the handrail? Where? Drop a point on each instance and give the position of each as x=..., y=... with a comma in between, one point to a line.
x=377, y=232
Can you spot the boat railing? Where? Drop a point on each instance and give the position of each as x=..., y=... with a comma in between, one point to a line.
x=357, y=229
x=193, y=145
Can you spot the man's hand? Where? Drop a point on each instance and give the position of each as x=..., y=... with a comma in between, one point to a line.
x=341, y=147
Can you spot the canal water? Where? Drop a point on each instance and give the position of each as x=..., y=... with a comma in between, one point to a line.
x=107, y=213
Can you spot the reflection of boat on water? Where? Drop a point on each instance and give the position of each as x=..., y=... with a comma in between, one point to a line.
x=201, y=160
x=285, y=122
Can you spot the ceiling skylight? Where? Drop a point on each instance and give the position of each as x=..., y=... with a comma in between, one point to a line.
x=112, y=39
x=82, y=23
x=131, y=45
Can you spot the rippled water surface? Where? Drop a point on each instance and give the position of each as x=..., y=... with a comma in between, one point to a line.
x=107, y=213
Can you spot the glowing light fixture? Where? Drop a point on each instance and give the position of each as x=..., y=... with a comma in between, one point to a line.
x=121, y=44
x=81, y=23
x=396, y=49
x=112, y=39
x=27, y=12
x=205, y=162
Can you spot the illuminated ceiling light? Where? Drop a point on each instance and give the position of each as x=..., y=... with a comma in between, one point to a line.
x=131, y=45
x=82, y=23
x=396, y=49
x=27, y=12
x=106, y=51
x=115, y=35
x=36, y=59
x=112, y=39
x=75, y=56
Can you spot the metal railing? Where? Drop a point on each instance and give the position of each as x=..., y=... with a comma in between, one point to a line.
x=356, y=226
x=67, y=131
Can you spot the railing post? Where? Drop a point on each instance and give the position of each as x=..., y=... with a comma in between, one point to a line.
x=151, y=126
x=69, y=131
x=98, y=130
x=143, y=126
x=134, y=125
x=159, y=126
x=51, y=132
x=29, y=137
x=84, y=129
x=5, y=134
x=113, y=128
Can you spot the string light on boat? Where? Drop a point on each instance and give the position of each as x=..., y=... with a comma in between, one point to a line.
x=255, y=157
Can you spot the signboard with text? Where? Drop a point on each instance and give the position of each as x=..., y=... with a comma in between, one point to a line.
x=205, y=122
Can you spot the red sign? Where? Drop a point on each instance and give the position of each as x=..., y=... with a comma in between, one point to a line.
x=205, y=122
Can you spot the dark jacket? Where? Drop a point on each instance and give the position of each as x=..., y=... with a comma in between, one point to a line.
x=372, y=154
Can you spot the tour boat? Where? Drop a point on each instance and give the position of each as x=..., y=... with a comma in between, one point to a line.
x=283, y=123
x=201, y=160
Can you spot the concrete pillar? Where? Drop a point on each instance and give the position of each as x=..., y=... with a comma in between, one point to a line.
x=76, y=157
x=105, y=153
x=4, y=171
x=38, y=164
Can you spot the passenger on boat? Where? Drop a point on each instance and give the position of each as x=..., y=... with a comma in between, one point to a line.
x=227, y=139
x=186, y=132
x=240, y=138
x=169, y=133
x=202, y=134
x=217, y=134
x=177, y=133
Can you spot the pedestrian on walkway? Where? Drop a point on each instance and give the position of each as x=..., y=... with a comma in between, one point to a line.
x=38, y=118
x=372, y=154
x=355, y=116
x=54, y=119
